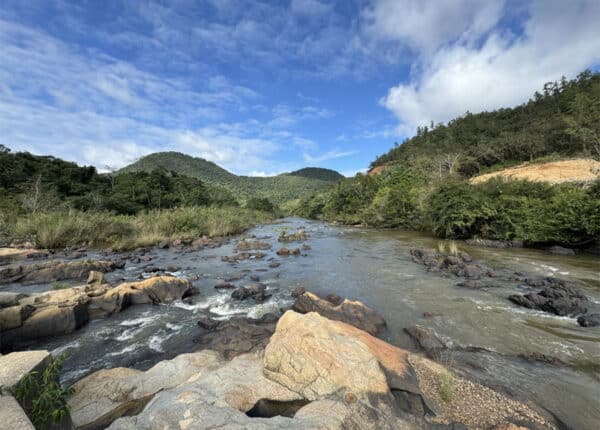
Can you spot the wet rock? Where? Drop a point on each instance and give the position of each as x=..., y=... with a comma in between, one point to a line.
x=298, y=291
x=51, y=271
x=173, y=269
x=246, y=245
x=237, y=335
x=156, y=290
x=240, y=293
x=243, y=256
x=334, y=299
x=286, y=252
x=146, y=258
x=256, y=292
x=108, y=394
x=163, y=245
x=274, y=264
x=542, y=358
x=351, y=312
x=426, y=340
x=471, y=284
x=293, y=237
x=306, y=247
x=559, y=250
x=95, y=277
x=255, y=278
x=556, y=298
x=591, y=320
x=225, y=286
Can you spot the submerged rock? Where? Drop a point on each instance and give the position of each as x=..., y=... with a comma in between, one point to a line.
x=351, y=312
x=426, y=340
x=286, y=251
x=560, y=250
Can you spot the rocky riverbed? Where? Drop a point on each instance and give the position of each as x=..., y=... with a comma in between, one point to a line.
x=226, y=296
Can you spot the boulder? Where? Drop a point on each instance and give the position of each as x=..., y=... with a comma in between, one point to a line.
x=316, y=357
x=108, y=394
x=95, y=277
x=591, y=320
x=559, y=250
x=14, y=366
x=12, y=415
x=288, y=251
x=556, y=298
x=298, y=291
x=426, y=340
x=156, y=290
x=351, y=312
x=51, y=271
x=237, y=335
x=8, y=298
x=223, y=285
x=13, y=316
x=247, y=245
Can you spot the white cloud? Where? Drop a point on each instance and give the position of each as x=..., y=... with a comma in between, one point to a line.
x=309, y=7
x=425, y=25
x=560, y=38
x=329, y=155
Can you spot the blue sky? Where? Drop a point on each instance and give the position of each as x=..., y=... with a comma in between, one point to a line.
x=267, y=87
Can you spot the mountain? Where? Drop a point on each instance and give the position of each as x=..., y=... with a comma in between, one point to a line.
x=280, y=188
x=561, y=121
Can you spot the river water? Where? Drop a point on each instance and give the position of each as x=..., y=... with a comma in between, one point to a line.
x=373, y=267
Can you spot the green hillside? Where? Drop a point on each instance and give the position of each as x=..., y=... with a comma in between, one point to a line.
x=424, y=183
x=279, y=189
x=561, y=121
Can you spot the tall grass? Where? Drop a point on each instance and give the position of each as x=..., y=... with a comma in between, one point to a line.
x=101, y=229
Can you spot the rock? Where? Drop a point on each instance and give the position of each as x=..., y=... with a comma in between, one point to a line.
x=51, y=271
x=8, y=298
x=172, y=269
x=10, y=255
x=306, y=247
x=257, y=292
x=237, y=335
x=591, y=320
x=351, y=312
x=246, y=245
x=298, y=291
x=13, y=316
x=108, y=394
x=556, y=298
x=426, y=340
x=255, y=278
x=12, y=416
x=559, y=250
x=542, y=358
x=274, y=264
x=286, y=252
x=223, y=285
x=163, y=245
x=156, y=290
x=334, y=299
x=95, y=277
x=49, y=321
x=220, y=399
x=316, y=357
x=243, y=256
x=14, y=366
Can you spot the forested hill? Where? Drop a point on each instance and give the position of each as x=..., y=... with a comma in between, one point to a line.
x=278, y=189
x=562, y=120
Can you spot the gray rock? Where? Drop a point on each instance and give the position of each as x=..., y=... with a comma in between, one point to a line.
x=12, y=416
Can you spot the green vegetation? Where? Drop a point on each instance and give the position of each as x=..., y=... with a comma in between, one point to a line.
x=42, y=397
x=278, y=189
x=425, y=183
x=101, y=229
x=446, y=389
x=60, y=285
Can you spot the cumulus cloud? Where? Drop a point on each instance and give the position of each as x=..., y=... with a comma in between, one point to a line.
x=559, y=38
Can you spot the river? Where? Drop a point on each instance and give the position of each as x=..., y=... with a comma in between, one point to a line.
x=374, y=267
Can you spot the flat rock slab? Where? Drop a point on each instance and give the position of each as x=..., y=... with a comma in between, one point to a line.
x=12, y=416
x=14, y=366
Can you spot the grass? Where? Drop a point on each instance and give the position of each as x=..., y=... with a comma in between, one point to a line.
x=60, y=285
x=103, y=229
x=446, y=389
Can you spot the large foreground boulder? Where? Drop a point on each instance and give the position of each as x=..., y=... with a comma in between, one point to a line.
x=51, y=271
x=351, y=312
x=316, y=357
x=108, y=394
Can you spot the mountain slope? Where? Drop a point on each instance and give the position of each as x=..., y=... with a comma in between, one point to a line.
x=279, y=189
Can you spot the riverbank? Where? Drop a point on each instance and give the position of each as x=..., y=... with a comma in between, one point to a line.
x=485, y=337
x=55, y=230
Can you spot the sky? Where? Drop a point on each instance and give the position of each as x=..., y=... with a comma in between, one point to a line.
x=264, y=87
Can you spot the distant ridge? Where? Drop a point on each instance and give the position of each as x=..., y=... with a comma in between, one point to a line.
x=280, y=188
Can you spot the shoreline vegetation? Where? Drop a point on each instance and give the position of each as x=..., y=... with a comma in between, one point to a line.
x=97, y=229
x=427, y=182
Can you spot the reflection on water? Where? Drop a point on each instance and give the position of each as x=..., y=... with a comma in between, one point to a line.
x=374, y=267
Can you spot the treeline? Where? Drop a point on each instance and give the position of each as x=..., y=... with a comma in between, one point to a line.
x=33, y=184
x=425, y=186
x=562, y=120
